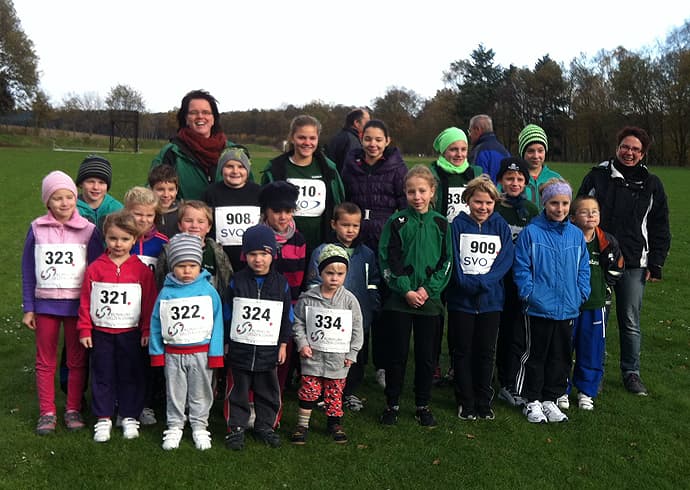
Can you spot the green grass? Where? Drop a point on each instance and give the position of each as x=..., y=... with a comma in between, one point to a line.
x=626, y=442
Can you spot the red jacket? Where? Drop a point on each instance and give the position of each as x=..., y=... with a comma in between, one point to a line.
x=132, y=271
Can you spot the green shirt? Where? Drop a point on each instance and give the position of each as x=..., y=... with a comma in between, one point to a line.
x=597, y=297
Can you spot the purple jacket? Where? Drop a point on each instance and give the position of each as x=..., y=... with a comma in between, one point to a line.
x=379, y=190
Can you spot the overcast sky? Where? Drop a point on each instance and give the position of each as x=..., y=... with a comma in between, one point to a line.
x=266, y=54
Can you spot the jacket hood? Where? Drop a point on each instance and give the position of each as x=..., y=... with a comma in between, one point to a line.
x=172, y=282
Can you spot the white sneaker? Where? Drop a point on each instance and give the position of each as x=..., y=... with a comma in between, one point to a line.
x=563, y=402
x=535, y=413
x=553, y=413
x=202, y=439
x=101, y=431
x=252, y=416
x=381, y=377
x=130, y=428
x=171, y=438
x=148, y=417
x=585, y=402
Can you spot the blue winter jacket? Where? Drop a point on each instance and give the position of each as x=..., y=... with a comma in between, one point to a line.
x=487, y=153
x=479, y=293
x=551, y=268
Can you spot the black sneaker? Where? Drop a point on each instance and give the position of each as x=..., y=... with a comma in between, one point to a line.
x=338, y=433
x=268, y=437
x=389, y=416
x=425, y=418
x=299, y=436
x=465, y=414
x=486, y=414
x=235, y=439
x=633, y=384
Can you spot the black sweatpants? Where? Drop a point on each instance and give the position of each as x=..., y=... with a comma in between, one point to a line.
x=267, y=402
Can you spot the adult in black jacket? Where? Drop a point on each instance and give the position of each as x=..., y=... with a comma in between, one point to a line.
x=348, y=138
x=634, y=209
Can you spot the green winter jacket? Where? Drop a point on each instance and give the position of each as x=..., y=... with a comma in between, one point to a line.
x=97, y=216
x=416, y=250
x=532, y=188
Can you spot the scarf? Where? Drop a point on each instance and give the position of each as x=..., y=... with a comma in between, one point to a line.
x=282, y=238
x=206, y=150
x=517, y=203
x=448, y=167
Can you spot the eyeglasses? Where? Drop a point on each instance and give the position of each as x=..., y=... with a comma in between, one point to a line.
x=633, y=149
x=587, y=212
x=199, y=113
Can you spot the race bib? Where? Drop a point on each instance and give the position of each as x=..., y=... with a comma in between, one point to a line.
x=329, y=330
x=186, y=320
x=115, y=305
x=150, y=262
x=231, y=221
x=256, y=321
x=478, y=252
x=60, y=266
x=312, y=197
x=455, y=204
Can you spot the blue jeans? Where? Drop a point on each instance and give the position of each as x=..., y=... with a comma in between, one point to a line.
x=629, y=293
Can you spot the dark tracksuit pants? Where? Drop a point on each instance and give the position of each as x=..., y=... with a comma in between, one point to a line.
x=266, y=390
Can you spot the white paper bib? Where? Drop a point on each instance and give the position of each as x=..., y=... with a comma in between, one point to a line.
x=256, y=321
x=312, y=197
x=115, y=305
x=150, y=262
x=455, y=204
x=60, y=265
x=329, y=330
x=232, y=221
x=186, y=320
x=478, y=252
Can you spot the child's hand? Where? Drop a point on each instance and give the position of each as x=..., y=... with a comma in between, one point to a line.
x=29, y=320
x=422, y=293
x=348, y=363
x=86, y=342
x=144, y=341
x=413, y=299
x=282, y=354
x=305, y=352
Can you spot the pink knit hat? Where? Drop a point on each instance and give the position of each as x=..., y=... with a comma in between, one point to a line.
x=55, y=181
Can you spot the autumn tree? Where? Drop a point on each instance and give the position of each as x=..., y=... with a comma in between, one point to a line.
x=124, y=98
x=18, y=62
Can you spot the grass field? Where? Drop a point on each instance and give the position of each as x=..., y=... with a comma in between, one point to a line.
x=627, y=442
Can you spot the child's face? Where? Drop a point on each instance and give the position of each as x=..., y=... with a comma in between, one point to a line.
x=195, y=222
x=279, y=219
x=456, y=153
x=119, y=242
x=305, y=140
x=234, y=174
x=481, y=206
x=557, y=207
x=513, y=183
x=166, y=192
x=346, y=227
x=333, y=276
x=93, y=191
x=187, y=271
x=144, y=216
x=419, y=194
x=374, y=142
x=259, y=261
x=535, y=154
x=62, y=203
x=586, y=216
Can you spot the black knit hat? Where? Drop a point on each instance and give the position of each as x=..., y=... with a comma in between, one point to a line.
x=278, y=195
x=259, y=237
x=97, y=167
x=514, y=164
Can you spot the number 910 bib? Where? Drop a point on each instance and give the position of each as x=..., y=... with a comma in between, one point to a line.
x=256, y=321
x=186, y=320
x=329, y=330
x=311, y=201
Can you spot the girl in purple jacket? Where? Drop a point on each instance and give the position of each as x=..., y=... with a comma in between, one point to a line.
x=58, y=247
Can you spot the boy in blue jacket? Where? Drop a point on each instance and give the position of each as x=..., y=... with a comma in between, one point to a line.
x=187, y=338
x=551, y=271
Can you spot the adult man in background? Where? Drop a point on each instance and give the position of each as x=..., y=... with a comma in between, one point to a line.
x=348, y=137
x=487, y=152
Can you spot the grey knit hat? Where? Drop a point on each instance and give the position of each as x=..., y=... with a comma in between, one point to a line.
x=95, y=166
x=332, y=253
x=184, y=247
x=236, y=154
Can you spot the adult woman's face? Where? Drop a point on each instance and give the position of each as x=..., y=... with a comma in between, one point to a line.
x=629, y=151
x=200, y=117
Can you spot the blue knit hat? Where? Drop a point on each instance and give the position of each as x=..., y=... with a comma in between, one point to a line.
x=259, y=237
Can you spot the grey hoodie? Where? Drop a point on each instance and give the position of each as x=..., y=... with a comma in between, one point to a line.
x=327, y=364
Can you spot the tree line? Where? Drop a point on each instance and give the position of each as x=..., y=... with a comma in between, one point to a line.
x=580, y=106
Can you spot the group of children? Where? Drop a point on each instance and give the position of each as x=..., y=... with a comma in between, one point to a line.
x=239, y=309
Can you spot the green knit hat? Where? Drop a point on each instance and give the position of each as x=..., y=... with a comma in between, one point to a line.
x=332, y=253
x=447, y=137
x=531, y=134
